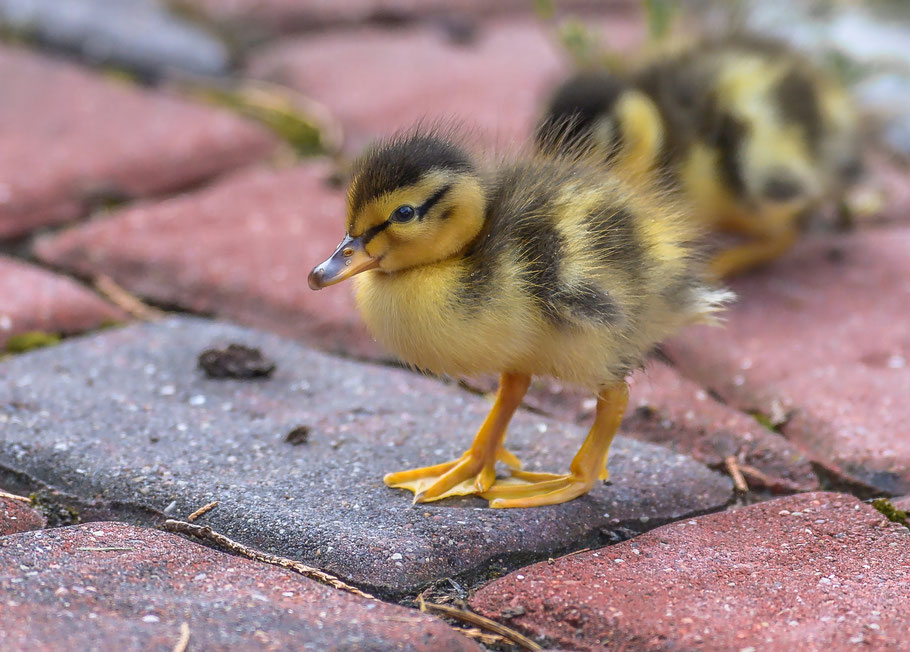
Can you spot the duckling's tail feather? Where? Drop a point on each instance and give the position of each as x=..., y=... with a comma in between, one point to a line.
x=708, y=301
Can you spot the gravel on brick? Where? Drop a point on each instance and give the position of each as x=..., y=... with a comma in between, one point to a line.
x=140, y=589
x=815, y=572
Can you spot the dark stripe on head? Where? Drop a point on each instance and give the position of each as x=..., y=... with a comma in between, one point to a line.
x=575, y=109
x=373, y=231
x=797, y=103
x=402, y=162
x=432, y=201
x=728, y=141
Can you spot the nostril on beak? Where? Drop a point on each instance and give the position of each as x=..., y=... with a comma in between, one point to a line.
x=347, y=252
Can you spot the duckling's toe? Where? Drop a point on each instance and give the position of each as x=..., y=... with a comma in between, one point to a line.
x=525, y=489
x=469, y=474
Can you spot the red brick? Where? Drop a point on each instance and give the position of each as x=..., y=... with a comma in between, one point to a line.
x=131, y=588
x=33, y=299
x=670, y=410
x=892, y=179
x=378, y=81
x=16, y=516
x=287, y=15
x=810, y=572
x=240, y=249
x=69, y=135
x=819, y=342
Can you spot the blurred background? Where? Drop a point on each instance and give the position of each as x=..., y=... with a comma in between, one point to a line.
x=241, y=116
x=190, y=156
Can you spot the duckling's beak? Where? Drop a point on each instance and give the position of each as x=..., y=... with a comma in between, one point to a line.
x=350, y=258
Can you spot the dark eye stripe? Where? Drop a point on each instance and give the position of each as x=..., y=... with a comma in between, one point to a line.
x=373, y=231
x=434, y=198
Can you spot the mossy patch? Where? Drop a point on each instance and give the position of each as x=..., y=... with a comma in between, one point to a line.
x=766, y=421
x=56, y=514
x=275, y=112
x=30, y=341
x=660, y=16
x=890, y=512
x=586, y=47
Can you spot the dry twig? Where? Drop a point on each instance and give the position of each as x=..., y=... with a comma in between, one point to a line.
x=123, y=299
x=480, y=621
x=479, y=635
x=208, y=534
x=184, y=639
x=10, y=496
x=775, y=484
x=733, y=469
x=104, y=549
x=205, y=509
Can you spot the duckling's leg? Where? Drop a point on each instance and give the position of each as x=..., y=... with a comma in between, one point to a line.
x=589, y=465
x=473, y=472
x=744, y=257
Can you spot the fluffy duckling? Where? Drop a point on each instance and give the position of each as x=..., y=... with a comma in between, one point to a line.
x=753, y=135
x=532, y=267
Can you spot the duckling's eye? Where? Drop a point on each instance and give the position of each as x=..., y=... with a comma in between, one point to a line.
x=403, y=214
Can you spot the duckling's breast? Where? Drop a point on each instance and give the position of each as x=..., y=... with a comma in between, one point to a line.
x=419, y=314
x=434, y=319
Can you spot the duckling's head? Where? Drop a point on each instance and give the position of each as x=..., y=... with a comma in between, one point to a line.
x=581, y=109
x=414, y=200
x=600, y=114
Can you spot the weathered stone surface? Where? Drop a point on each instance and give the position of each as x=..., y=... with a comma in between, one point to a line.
x=239, y=249
x=32, y=299
x=819, y=343
x=16, y=516
x=902, y=503
x=134, y=588
x=135, y=34
x=811, y=572
x=287, y=15
x=71, y=138
x=492, y=87
x=124, y=420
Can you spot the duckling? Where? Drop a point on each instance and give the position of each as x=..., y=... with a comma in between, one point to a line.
x=526, y=267
x=750, y=132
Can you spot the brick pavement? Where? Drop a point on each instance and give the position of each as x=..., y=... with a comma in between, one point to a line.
x=121, y=426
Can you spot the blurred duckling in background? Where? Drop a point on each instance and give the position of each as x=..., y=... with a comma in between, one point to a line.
x=531, y=267
x=753, y=135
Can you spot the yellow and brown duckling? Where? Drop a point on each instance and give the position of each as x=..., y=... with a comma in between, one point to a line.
x=753, y=134
x=548, y=267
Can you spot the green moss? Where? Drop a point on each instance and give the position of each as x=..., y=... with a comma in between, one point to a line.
x=31, y=340
x=545, y=9
x=766, y=421
x=14, y=36
x=120, y=75
x=585, y=46
x=56, y=514
x=108, y=324
x=660, y=15
x=890, y=512
x=275, y=112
